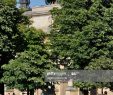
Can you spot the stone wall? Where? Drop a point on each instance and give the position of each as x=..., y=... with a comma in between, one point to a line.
x=41, y=17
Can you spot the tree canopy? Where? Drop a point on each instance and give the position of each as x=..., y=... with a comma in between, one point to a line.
x=9, y=2
x=27, y=70
x=11, y=39
x=83, y=31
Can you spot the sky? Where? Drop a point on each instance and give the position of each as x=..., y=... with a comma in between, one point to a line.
x=36, y=2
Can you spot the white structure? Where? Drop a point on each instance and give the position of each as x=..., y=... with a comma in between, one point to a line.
x=41, y=16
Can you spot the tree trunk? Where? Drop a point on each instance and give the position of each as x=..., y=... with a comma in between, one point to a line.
x=84, y=92
x=102, y=92
x=2, y=89
x=28, y=91
x=32, y=92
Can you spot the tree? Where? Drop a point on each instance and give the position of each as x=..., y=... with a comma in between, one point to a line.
x=83, y=31
x=11, y=39
x=9, y=2
x=26, y=71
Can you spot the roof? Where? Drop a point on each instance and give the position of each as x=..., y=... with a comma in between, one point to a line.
x=41, y=10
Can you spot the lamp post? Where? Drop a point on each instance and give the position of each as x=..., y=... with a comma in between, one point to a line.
x=63, y=63
x=66, y=88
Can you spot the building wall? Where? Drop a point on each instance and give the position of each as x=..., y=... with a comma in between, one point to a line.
x=42, y=22
x=41, y=16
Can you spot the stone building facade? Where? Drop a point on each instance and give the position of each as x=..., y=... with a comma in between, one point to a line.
x=41, y=17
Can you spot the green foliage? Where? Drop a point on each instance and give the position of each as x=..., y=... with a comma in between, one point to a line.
x=11, y=39
x=83, y=31
x=101, y=63
x=85, y=86
x=25, y=46
x=27, y=70
x=9, y=2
